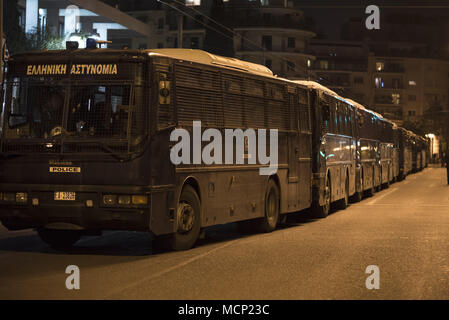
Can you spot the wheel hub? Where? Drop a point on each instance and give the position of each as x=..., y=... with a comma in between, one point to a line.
x=186, y=217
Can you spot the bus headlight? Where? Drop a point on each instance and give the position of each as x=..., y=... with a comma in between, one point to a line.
x=21, y=197
x=110, y=199
x=124, y=200
x=139, y=199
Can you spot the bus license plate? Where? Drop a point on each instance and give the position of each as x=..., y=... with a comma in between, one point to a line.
x=60, y=195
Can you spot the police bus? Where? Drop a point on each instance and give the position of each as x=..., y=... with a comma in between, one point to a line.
x=91, y=138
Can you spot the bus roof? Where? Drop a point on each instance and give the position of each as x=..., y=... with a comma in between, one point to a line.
x=203, y=57
x=316, y=85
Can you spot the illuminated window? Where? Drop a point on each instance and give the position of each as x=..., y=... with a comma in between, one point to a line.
x=324, y=64
x=309, y=63
x=380, y=66
x=412, y=83
x=193, y=2
x=379, y=82
x=396, y=98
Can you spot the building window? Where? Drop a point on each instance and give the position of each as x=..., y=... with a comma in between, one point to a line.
x=412, y=83
x=380, y=66
x=379, y=82
x=194, y=43
x=267, y=42
x=396, y=83
x=160, y=23
x=412, y=97
x=309, y=63
x=160, y=45
x=411, y=113
x=42, y=19
x=396, y=98
x=358, y=80
x=324, y=64
x=193, y=2
x=291, y=42
x=142, y=46
x=290, y=66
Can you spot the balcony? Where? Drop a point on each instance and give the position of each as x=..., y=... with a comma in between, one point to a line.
x=388, y=100
x=389, y=68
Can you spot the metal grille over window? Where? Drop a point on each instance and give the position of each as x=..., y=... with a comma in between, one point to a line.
x=51, y=116
x=99, y=111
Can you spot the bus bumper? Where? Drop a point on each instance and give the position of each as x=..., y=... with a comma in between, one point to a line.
x=88, y=211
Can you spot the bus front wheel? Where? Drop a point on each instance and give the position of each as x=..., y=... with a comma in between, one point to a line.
x=189, y=220
x=272, y=208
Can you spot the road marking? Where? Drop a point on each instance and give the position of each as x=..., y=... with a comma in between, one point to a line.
x=382, y=196
x=177, y=266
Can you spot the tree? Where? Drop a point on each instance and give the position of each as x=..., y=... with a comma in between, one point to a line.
x=18, y=41
x=15, y=36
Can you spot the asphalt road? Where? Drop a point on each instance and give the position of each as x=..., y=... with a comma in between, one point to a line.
x=404, y=230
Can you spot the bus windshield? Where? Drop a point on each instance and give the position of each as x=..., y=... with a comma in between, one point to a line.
x=48, y=108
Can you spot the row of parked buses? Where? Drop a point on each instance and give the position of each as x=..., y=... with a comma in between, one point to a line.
x=86, y=145
x=358, y=152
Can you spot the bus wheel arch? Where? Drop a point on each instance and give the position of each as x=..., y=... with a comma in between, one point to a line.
x=189, y=216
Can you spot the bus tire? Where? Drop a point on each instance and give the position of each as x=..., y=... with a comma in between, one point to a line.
x=343, y=203
x=189, y=220
x=379, y=186
x=59, y=239
x=370, y=192
x=387, y=184
x=321, y=212
x=358, y=195
x=272, y=207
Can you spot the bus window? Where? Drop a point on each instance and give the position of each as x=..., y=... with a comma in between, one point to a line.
x=37, y=104
x=99, y=110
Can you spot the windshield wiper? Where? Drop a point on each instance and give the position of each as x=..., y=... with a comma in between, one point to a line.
x=108, y=150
